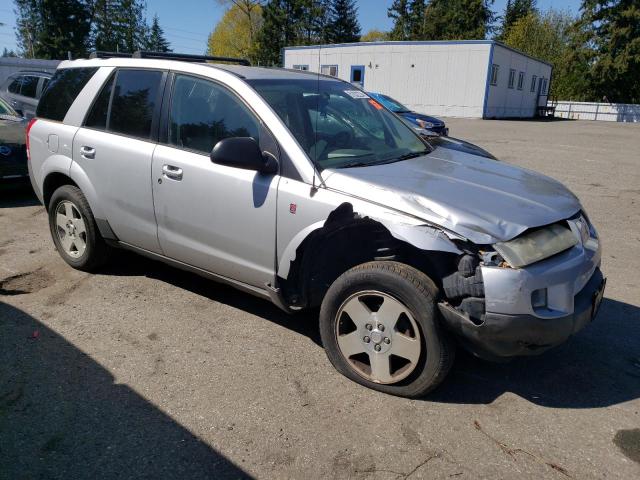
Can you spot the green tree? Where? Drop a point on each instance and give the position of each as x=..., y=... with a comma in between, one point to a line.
x=8, y=53
x=278, y=29
x=374, y=35
x=157, y=41
x=52, y=28
x=610, y=30
x=120, y=25
x=549, y=37
x=343, y=23
x=250, y=9
x=400, y=13
x=232, y=35
x=514, y=11
x=458, y=19
x=417, y=11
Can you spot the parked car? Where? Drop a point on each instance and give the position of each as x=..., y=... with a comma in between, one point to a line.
x=448, y=142
x=308, y=192
x=13, y=155
x=23, y=90
x=419, y=119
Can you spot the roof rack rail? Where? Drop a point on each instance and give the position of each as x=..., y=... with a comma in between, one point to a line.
x=101, y=54
x=185, y=57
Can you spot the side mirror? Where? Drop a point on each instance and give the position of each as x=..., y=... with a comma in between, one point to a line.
x=243, y=152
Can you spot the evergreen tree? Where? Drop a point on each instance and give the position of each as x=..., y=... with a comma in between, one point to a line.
x=8, y=53
x=343, y=25
x=514, y=11
x=611, y=32
x=280, y=18
x=157, y=41
x=120, y=25
x=458, y=19
x=399, y=12
x=416, y=19
x=52, y=28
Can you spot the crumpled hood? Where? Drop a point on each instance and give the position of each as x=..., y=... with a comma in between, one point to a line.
x=484, y=200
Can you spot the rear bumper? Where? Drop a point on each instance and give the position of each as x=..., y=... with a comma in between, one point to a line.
x=507, y=335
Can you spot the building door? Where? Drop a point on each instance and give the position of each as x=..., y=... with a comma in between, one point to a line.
x=357, y=75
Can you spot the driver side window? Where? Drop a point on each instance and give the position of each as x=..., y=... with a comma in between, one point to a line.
x=203, y=113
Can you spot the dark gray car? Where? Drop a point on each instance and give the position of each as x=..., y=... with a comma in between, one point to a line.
x=13, y=155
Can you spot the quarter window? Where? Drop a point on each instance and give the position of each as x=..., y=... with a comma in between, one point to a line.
x=203, y=113
x=533, y=83
x=62, y=91
x=134, y=99
x=331, y=70
x=512, y=77
x=494, y=74
x=520, y=80
x=14, y=87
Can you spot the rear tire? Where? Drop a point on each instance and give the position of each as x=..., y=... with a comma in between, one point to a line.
x=379, y=327
x=74, y=230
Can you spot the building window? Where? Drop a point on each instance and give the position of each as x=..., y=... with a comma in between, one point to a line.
x=301, y=67
x=512, y=77
x=544, y=86
x=331, y=70
x=494, y=74
x=520, y=80
x=533, y=83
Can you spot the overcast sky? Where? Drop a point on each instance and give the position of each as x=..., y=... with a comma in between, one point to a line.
x=188, y=26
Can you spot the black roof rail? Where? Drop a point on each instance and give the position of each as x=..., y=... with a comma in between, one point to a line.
x=185, y=57
x=101, y=54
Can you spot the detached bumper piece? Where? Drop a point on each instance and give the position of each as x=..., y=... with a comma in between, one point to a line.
x=501, y=336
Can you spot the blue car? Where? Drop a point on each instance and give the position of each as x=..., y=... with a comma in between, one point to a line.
x=423, y=121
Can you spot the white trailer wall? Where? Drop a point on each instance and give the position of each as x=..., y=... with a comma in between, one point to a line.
x=438, y=78
x=504, y=102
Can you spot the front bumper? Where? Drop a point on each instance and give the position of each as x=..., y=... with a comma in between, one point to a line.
x=507, y=335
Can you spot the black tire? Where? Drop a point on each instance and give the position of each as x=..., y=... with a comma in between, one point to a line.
x=418, y=294
x=96, y=250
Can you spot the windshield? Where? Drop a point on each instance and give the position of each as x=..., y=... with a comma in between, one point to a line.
x=391, y=104
x=337, y=125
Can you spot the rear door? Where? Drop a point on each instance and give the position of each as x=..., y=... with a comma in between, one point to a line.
x=218, y=218
x=114, y=147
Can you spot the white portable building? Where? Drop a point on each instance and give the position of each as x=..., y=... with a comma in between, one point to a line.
x=465, y=78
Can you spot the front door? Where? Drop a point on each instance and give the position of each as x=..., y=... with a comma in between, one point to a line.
x=215, y=217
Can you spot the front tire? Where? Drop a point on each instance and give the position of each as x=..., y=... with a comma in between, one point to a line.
x=74, y=230
x=379, y=327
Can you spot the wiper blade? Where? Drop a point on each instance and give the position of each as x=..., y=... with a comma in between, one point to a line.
x=407, y=156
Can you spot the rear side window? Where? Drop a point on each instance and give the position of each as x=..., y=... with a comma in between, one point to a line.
x=203, y=113
x=134, y=99
x=29, y=86
x=62, y=91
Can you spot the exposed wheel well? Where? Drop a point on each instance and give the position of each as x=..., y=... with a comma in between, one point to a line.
x=347, y=241
x=52, y=182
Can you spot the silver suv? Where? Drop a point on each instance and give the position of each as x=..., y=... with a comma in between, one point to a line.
x=303, y=190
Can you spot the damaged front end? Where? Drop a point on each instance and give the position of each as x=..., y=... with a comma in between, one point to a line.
x=526, y=295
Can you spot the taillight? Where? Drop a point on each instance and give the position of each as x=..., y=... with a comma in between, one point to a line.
x=29, y=125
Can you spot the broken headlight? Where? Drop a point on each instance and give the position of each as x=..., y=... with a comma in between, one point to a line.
x=536, y=245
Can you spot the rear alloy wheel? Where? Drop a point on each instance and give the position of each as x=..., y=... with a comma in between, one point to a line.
x=71, y=229
x=74, y=230
x=379, y=326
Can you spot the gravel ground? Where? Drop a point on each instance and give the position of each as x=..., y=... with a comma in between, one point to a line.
x=143, y=371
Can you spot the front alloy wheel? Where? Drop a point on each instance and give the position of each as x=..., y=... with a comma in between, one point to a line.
x=380, y=327
x=378, y=336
